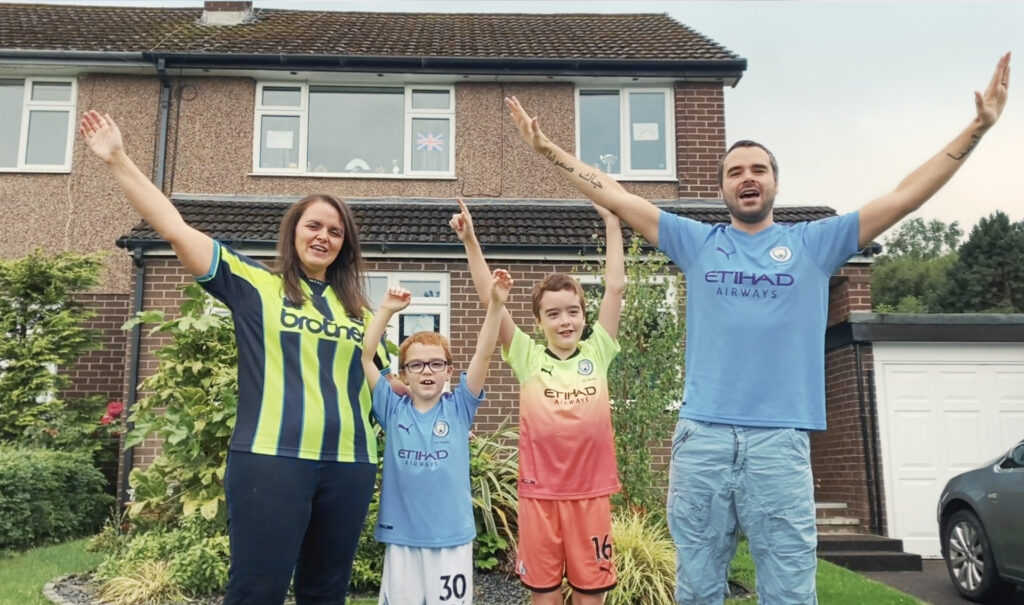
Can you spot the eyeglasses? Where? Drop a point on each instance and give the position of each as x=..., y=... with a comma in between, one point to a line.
x=417, y=367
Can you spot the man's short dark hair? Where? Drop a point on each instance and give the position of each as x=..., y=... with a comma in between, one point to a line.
x=747, y=143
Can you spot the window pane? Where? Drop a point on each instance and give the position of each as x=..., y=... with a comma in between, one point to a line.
x=647, y=130
x=599, y=130
x=51, y=91
x=424, y=289
x=376, y=288
x=281, y=96
x=410, y=323
x=431, y=99
x=12, y=97
x=279, y=142
x=47, y=137
x=430, y=141
x=356, y=129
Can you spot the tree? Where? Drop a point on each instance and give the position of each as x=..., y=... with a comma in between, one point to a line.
x=910, y=277
x=988, y=276
x=42, y=332
x=646, y=380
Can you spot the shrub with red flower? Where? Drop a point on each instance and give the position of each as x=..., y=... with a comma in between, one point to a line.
x=114, y=410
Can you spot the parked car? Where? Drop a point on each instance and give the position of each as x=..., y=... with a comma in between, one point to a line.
x=981, y=525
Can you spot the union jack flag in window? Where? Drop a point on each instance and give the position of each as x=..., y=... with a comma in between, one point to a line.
x=430, y=142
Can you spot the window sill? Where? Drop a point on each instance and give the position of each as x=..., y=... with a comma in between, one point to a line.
x=37, y=170
x=361, y=175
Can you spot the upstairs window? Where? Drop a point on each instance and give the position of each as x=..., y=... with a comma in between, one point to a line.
x=628, y=132
x=354, y=131
x=36, y=124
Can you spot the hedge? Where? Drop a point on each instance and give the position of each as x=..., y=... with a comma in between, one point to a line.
x=48, y=496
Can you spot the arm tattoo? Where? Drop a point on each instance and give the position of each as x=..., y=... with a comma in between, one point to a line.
x=975, y=139
x=559, y=164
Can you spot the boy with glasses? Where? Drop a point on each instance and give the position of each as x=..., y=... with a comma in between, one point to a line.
x=426, y=509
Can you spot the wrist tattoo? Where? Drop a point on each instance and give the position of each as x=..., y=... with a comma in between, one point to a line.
x=975, y=139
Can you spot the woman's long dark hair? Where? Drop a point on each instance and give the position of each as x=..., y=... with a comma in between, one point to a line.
x=345, y=274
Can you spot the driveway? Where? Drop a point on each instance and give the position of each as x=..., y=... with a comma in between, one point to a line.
x=931, y=584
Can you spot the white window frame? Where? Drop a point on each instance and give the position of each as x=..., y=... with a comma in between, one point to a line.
x=302, y=113
x=28, y=106
x=625, y=159
x=441, y=305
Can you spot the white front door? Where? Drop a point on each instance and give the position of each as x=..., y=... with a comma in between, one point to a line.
x=943, y=408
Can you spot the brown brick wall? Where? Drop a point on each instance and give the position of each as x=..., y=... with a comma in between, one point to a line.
x=849, y=291
x=700, y=138
x=101, y=372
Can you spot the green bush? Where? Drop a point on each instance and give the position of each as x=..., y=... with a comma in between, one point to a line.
x=494, y=475
x=194, y=554
x=42, y=333
x=48, y=496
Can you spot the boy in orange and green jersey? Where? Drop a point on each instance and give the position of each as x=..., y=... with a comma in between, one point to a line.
x=567, y=468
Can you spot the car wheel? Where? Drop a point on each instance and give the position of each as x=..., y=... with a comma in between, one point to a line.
x=969, y=558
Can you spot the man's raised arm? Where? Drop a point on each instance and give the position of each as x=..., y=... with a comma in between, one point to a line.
x=921, y=184
x=602, y=189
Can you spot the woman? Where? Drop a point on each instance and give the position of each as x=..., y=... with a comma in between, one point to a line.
x=302, y=458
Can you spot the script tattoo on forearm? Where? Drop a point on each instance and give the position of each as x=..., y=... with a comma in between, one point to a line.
x=558, y=163
x=591, y=177
x=975, y=139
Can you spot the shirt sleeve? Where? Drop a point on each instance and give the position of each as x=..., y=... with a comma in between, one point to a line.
x=833, y=240
x=519, y=353
x=602, y=345
x=383, y=402
x=232, y=277
x=680, y=238
x=382, y=358
x=467, y=402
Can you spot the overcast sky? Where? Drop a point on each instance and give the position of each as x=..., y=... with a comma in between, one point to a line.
x=850, y=96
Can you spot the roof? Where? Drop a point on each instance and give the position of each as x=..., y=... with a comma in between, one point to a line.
x=285, y=35
x=422, y=225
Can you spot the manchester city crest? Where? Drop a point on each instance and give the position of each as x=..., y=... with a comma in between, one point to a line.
x=441, y=428
x=585, y=367
x=781, y=254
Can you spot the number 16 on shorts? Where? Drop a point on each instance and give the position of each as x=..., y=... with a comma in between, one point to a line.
x=602, y=548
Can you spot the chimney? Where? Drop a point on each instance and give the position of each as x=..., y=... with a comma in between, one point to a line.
x=220, y=12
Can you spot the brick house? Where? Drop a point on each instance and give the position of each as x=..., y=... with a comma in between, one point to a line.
x=235, y=113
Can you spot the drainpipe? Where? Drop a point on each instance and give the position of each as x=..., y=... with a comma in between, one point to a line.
x=138, y=259
x=865, y=441
x=873, y=415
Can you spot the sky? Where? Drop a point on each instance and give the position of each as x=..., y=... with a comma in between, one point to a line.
x=850, y=96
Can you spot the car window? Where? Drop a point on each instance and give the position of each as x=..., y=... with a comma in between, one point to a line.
x=1015, y=459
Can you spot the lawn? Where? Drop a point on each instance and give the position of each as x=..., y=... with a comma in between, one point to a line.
x=23, y=574
x=836, y=585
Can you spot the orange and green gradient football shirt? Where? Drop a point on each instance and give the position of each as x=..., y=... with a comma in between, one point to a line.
x=566, y=440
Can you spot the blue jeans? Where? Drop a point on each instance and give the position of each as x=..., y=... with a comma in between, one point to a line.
x=288, y=514
x=725, y=478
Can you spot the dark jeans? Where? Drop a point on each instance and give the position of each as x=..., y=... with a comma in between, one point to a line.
x=289, y=514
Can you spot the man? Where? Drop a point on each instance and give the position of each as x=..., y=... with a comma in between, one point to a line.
x=757, y=302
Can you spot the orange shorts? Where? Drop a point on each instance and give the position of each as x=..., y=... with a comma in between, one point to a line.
x=566, y=538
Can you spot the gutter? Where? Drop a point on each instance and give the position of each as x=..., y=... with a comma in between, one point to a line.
x=87, y=57
x=716, y=69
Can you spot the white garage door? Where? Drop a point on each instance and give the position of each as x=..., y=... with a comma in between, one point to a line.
x=943, y=408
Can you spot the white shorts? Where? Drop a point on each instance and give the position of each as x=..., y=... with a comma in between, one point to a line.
x=427, y=576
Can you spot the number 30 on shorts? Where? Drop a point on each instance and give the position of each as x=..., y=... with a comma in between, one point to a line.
x=602, y=548
x=453, y=586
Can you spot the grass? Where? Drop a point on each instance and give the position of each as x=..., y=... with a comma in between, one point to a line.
x=23, y=574
x=836, y=585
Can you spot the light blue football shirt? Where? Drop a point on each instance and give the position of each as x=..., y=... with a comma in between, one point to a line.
x=756, y=309
x=426, y=499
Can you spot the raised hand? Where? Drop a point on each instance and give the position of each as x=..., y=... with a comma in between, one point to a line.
x=462, y=222
x=529, y=128
x=501, y=284
x=395, y=300
x=990, y=104
x=101, y=134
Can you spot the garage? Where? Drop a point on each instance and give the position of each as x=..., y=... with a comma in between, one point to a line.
x=950, y=397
